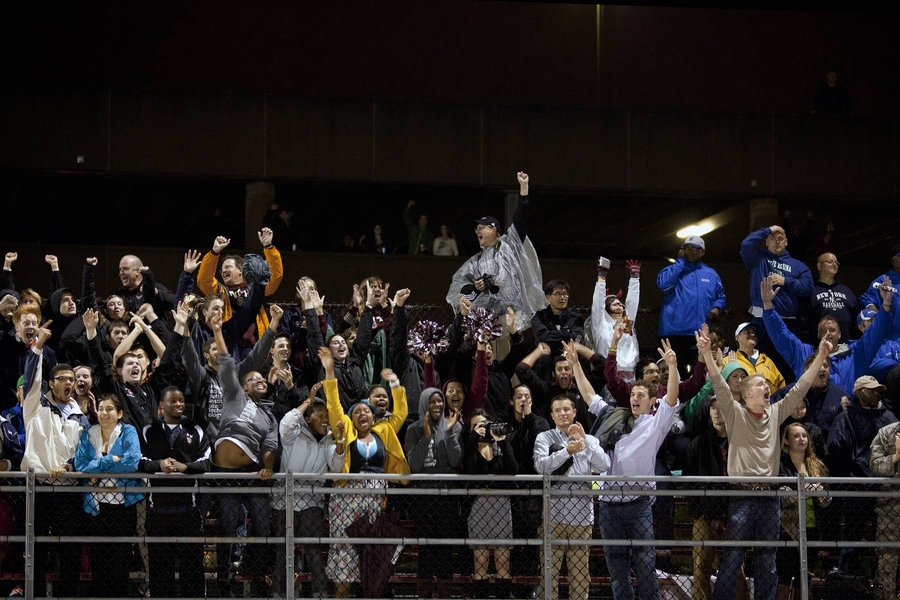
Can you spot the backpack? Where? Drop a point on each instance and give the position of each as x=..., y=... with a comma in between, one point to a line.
x=611, y=424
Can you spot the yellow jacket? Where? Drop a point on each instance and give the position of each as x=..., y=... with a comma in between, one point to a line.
x=395, y=459
x=764, y=366
x=208, y=284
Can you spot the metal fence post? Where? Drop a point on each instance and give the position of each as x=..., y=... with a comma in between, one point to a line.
x=289, y=535
x=801, y=504
x=548, y=535
x=29, y=533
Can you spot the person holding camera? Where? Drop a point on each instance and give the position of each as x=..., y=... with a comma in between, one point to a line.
x=488, y=452
x=506, y=270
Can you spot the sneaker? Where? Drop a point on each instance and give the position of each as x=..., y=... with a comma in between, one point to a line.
x=17, y=592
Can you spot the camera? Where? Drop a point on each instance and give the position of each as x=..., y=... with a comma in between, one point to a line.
x=499, y=428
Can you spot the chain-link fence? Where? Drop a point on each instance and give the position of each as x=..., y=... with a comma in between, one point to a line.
x=449, y=536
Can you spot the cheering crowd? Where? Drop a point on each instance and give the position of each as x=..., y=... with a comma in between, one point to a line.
x=209, y=379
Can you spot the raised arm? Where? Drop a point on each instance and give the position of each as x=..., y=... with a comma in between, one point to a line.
x=525, y=372
x=788, y=345
x=669, y=276
x=260, y=352
x=633, y=297
x=618, y=388
x=584, y=386
x=520, y=217
x=206, y=275
x=668, y=355
x=88, y=285
x=400, y=357
x=137, y=328
x=186, y=278
x=6, y=277
x=811, y=374
x=56, y=279
x=398, y=394
x=273, y=259
x=33, y=376
x=750, y=252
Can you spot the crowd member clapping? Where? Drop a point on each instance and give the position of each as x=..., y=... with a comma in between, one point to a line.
x=432, y=445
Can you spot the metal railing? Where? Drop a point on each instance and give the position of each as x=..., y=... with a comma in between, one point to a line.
x=417, y=500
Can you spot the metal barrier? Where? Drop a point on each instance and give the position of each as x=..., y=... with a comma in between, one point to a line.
x=422, y=534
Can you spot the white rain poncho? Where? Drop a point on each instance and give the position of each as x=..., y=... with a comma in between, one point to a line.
x=513, y=264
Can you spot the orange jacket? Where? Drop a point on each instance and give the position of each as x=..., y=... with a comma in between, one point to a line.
x=208, y=284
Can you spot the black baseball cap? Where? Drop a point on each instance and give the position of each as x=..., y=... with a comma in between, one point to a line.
x=493, y=222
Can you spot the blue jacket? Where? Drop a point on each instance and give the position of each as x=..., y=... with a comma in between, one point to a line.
x=873, y=296
x=846, y=367
x=761, y=263
x=690, y=291
x=125, y=443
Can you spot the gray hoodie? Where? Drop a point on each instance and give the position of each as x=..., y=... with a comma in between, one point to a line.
x=442, y=452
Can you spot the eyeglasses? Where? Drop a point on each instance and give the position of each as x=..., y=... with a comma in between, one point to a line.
x=257, y=378
x=65, y=379
x=560, y=294
x=830, y=262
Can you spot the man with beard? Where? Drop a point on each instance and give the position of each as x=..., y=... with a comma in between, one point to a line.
x=776, y=265
x=14, y=347
x=174, y=444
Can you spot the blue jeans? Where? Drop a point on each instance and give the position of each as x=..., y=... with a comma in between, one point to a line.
x=761, y=517
x=630, y=520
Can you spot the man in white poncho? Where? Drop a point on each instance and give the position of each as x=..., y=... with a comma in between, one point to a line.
x=506, y=271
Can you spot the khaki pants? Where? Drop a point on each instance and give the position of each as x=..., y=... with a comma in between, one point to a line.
x=576, y=560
